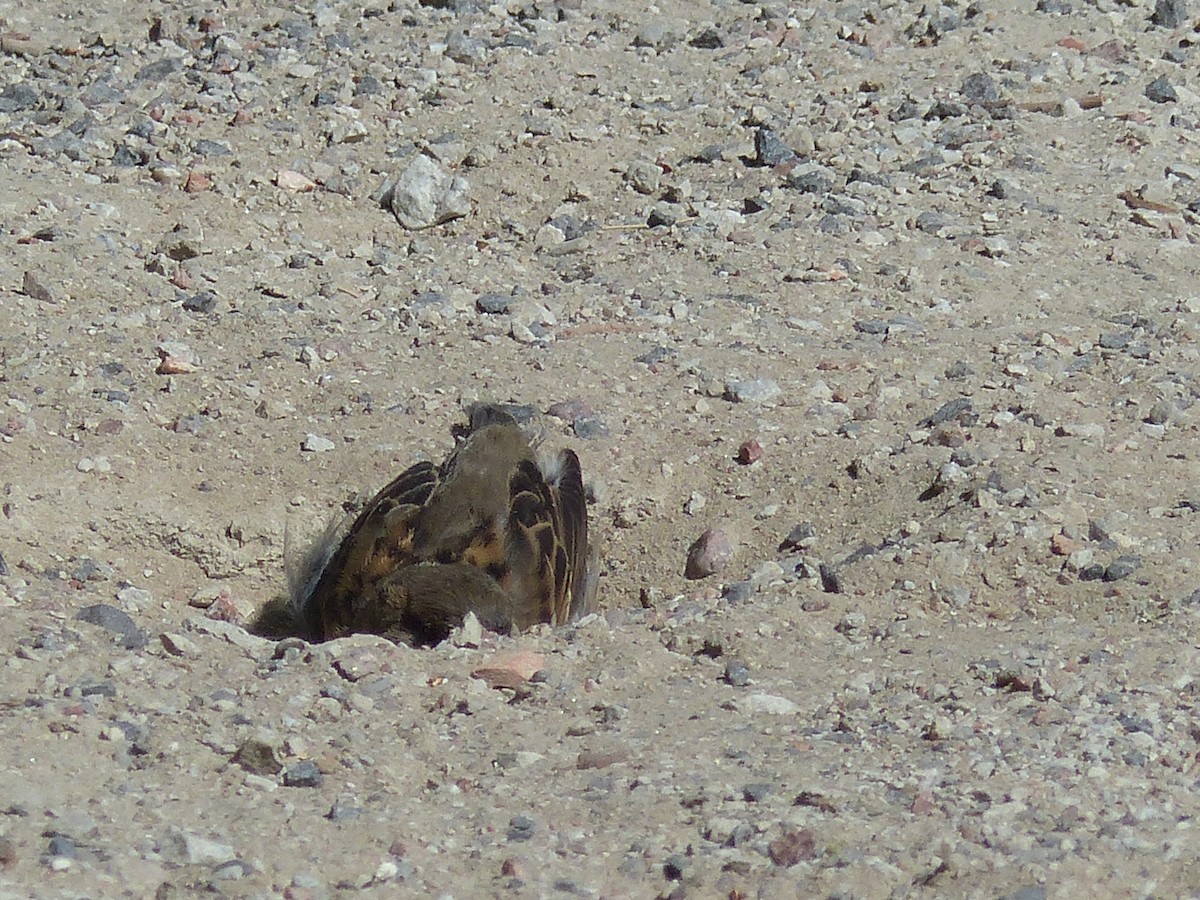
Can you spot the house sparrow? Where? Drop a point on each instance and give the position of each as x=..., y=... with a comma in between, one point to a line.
x=493, y=530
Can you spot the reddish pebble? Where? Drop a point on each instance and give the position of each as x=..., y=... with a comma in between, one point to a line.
x=510, y=669
x=923, y=804
x=570, y=410
x=173, y=365
x=600, y=759
x=793, y=847
x=750, y=452
x=1061, y=545
x=196, y=183
x=511, y=868
x=225, y=609
x=711, y=552
x=1113, y=51
x=294, y=182
x=12, y=426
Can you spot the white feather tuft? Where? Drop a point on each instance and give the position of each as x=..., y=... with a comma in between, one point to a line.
x=551, y=465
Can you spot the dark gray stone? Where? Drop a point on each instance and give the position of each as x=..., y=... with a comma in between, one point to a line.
x=737, y=673
x=16, y=97
x=981, y=88
x=115, y=621
x=159, y=69
x=1122, y=567
x=757, y=791
x=493, y=304
x=303, y=774
x=1160, y=90
x=769, y=150
x=1169, y=13
x=521, y=828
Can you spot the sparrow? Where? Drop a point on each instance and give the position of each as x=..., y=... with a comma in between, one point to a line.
x=496, y=530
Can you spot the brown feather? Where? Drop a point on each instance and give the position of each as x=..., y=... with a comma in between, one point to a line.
x=489, y=531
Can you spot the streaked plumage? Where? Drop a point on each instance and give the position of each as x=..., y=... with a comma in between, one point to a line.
x=493, y=531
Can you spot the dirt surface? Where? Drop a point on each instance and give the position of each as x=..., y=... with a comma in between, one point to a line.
x=938, y=264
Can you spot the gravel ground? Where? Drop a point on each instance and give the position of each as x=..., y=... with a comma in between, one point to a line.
x=874, y=325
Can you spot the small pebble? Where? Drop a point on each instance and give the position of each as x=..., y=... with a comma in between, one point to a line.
x=739, y=591
x=767, y=704
x=1160, y=90
x=749, y=453
x=62, y=845
x=115, y=621
x=204, y=302
x=469, y=634
x=1169, y=13
x=493, y=304
x=303, y=774
x=709, y=554
x=314, y=443
x=344, y=811
x=1159, y=413
x=754, y=390
x=737, y=673
x=178, y=645
x=521, y=828
x=801, y=535
x=1122, y=567
x=757, y=791
x=511, y=668
x=259, y=756
x=32, y=286
x=793, y=847
x=588, y=428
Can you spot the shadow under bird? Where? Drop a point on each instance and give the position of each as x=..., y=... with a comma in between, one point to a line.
x=497, y=529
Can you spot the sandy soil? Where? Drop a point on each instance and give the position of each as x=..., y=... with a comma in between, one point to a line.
x=939, y=263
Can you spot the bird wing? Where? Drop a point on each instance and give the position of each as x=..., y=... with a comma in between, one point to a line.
x=572, y=508
x=379, y=541
x=546, y=539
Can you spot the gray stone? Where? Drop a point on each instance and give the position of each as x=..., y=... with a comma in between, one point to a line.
x=521, y=828
x=178, y=645
x=643, y=176
x=314, y=443
x=181, y=846
x=493, y=304
x=115, y=621
x=980, y=87
x=752, y=390
x=1160, y=90
x=767, y=704
x=426, y=195
x=737, y=674
x=469, y=634
x=302, y=774
x=769, y=150
x=1169, y=13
